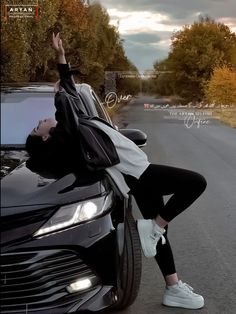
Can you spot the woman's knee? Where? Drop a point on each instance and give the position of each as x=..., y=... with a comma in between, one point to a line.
x=199, y=182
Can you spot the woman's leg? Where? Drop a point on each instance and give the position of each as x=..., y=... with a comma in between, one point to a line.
x=185, y=185
x=149, y=207
x=158, y=180
x=165, y=260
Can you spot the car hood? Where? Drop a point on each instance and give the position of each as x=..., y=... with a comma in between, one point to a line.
x=22, y=188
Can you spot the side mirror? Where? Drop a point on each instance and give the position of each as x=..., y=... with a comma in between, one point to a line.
x=135, y=135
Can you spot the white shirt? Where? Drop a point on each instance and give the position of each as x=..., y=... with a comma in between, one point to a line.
x=133, y=161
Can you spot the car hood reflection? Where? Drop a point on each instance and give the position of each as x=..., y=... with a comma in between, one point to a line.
x=22, y=187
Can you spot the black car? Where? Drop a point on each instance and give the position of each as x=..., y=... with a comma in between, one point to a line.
x=68, y=244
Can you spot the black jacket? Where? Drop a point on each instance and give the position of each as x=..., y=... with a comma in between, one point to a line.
x=76, y=144
x=94, y=146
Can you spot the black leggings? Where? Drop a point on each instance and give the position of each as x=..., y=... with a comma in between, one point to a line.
x=156, y=181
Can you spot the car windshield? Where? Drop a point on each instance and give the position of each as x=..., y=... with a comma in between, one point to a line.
x=20, y=112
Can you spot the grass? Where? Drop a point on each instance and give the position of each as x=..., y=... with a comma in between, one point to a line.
x=113, y=110
x=227, y=116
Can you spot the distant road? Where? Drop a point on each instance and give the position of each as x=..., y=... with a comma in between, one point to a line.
x=204, y=236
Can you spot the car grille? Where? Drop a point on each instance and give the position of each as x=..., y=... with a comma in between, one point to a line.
x=38, y=280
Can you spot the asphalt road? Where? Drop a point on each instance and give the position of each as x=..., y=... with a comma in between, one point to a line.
x=203, y=237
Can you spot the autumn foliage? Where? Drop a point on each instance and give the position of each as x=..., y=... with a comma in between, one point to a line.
x=221, y=88
x=92, y=45
x=196, y=50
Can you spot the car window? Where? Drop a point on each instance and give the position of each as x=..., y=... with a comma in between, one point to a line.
x=20, y=112
x=98, y=106
x=100, y=109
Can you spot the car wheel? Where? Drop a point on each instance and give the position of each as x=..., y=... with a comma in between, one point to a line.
x=129, y=263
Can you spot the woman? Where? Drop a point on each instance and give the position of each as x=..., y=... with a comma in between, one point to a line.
x=147, y=182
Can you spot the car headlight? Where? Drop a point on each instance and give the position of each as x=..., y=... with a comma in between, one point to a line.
x=72, y=214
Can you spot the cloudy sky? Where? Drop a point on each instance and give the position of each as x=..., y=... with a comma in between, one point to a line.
x=147, y=26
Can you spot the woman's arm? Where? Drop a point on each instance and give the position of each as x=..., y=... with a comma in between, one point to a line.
x=67, y=108
x=66, y=79
x=58, y=47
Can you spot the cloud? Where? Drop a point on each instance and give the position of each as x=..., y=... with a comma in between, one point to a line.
x=176, y=9
x=148, y=41
x=136, y=21
x=142, y=54
x=231, y=22
x=147, y=25
x=144, y=38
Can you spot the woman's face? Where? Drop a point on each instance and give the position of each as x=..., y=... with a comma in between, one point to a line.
x=43, y=128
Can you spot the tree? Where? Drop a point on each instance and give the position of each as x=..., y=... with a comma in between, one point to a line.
x=233, y=56
x=221, y=88
x=92, y=45
x=39, y=38
x=14, y=46
x=25, y=44
x=195, y=51
x=164, y=81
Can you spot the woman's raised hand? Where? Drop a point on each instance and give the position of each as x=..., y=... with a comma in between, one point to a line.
x=57, y=44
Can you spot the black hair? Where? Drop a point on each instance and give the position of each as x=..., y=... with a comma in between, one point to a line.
x=35, y=145
x=57, y=156
x=45, y=158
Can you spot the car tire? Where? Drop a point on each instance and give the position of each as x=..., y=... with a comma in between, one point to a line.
x=129, y=265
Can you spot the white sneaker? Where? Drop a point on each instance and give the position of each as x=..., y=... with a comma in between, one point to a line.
x=149, y=233
x=181, y=295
